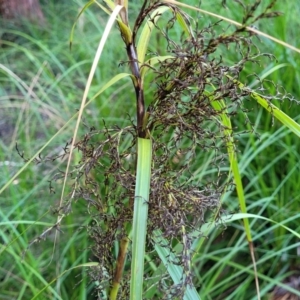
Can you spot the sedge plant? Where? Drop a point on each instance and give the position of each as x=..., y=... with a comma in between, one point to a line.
x=150, y=202
x=191, y=89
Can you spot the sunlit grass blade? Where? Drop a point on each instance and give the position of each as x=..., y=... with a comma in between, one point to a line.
x=275, y=111
x=140, y=217
x=234, y=166
x=143, y=42
x=87, y=87
x=227, y=129
x=240, y=216
x=184, y=22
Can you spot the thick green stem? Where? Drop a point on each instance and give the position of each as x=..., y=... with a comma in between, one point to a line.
x=140, y=216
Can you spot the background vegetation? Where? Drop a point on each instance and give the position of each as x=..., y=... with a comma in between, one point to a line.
x=41, y=85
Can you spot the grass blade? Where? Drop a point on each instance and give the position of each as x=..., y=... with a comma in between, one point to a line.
x=146, y=33
x=274, y=110
x=90, y=264
x=87, y=87
x=234, y=166
x=175, y=270
x=140, y=216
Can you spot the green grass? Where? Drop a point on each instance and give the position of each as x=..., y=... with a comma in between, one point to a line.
x=42, y=90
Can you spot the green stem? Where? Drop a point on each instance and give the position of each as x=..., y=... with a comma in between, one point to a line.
x=140, y=216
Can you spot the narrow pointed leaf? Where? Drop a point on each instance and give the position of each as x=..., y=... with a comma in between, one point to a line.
x=146, y=33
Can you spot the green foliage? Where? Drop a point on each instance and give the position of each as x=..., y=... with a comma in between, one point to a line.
x=42, y=84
